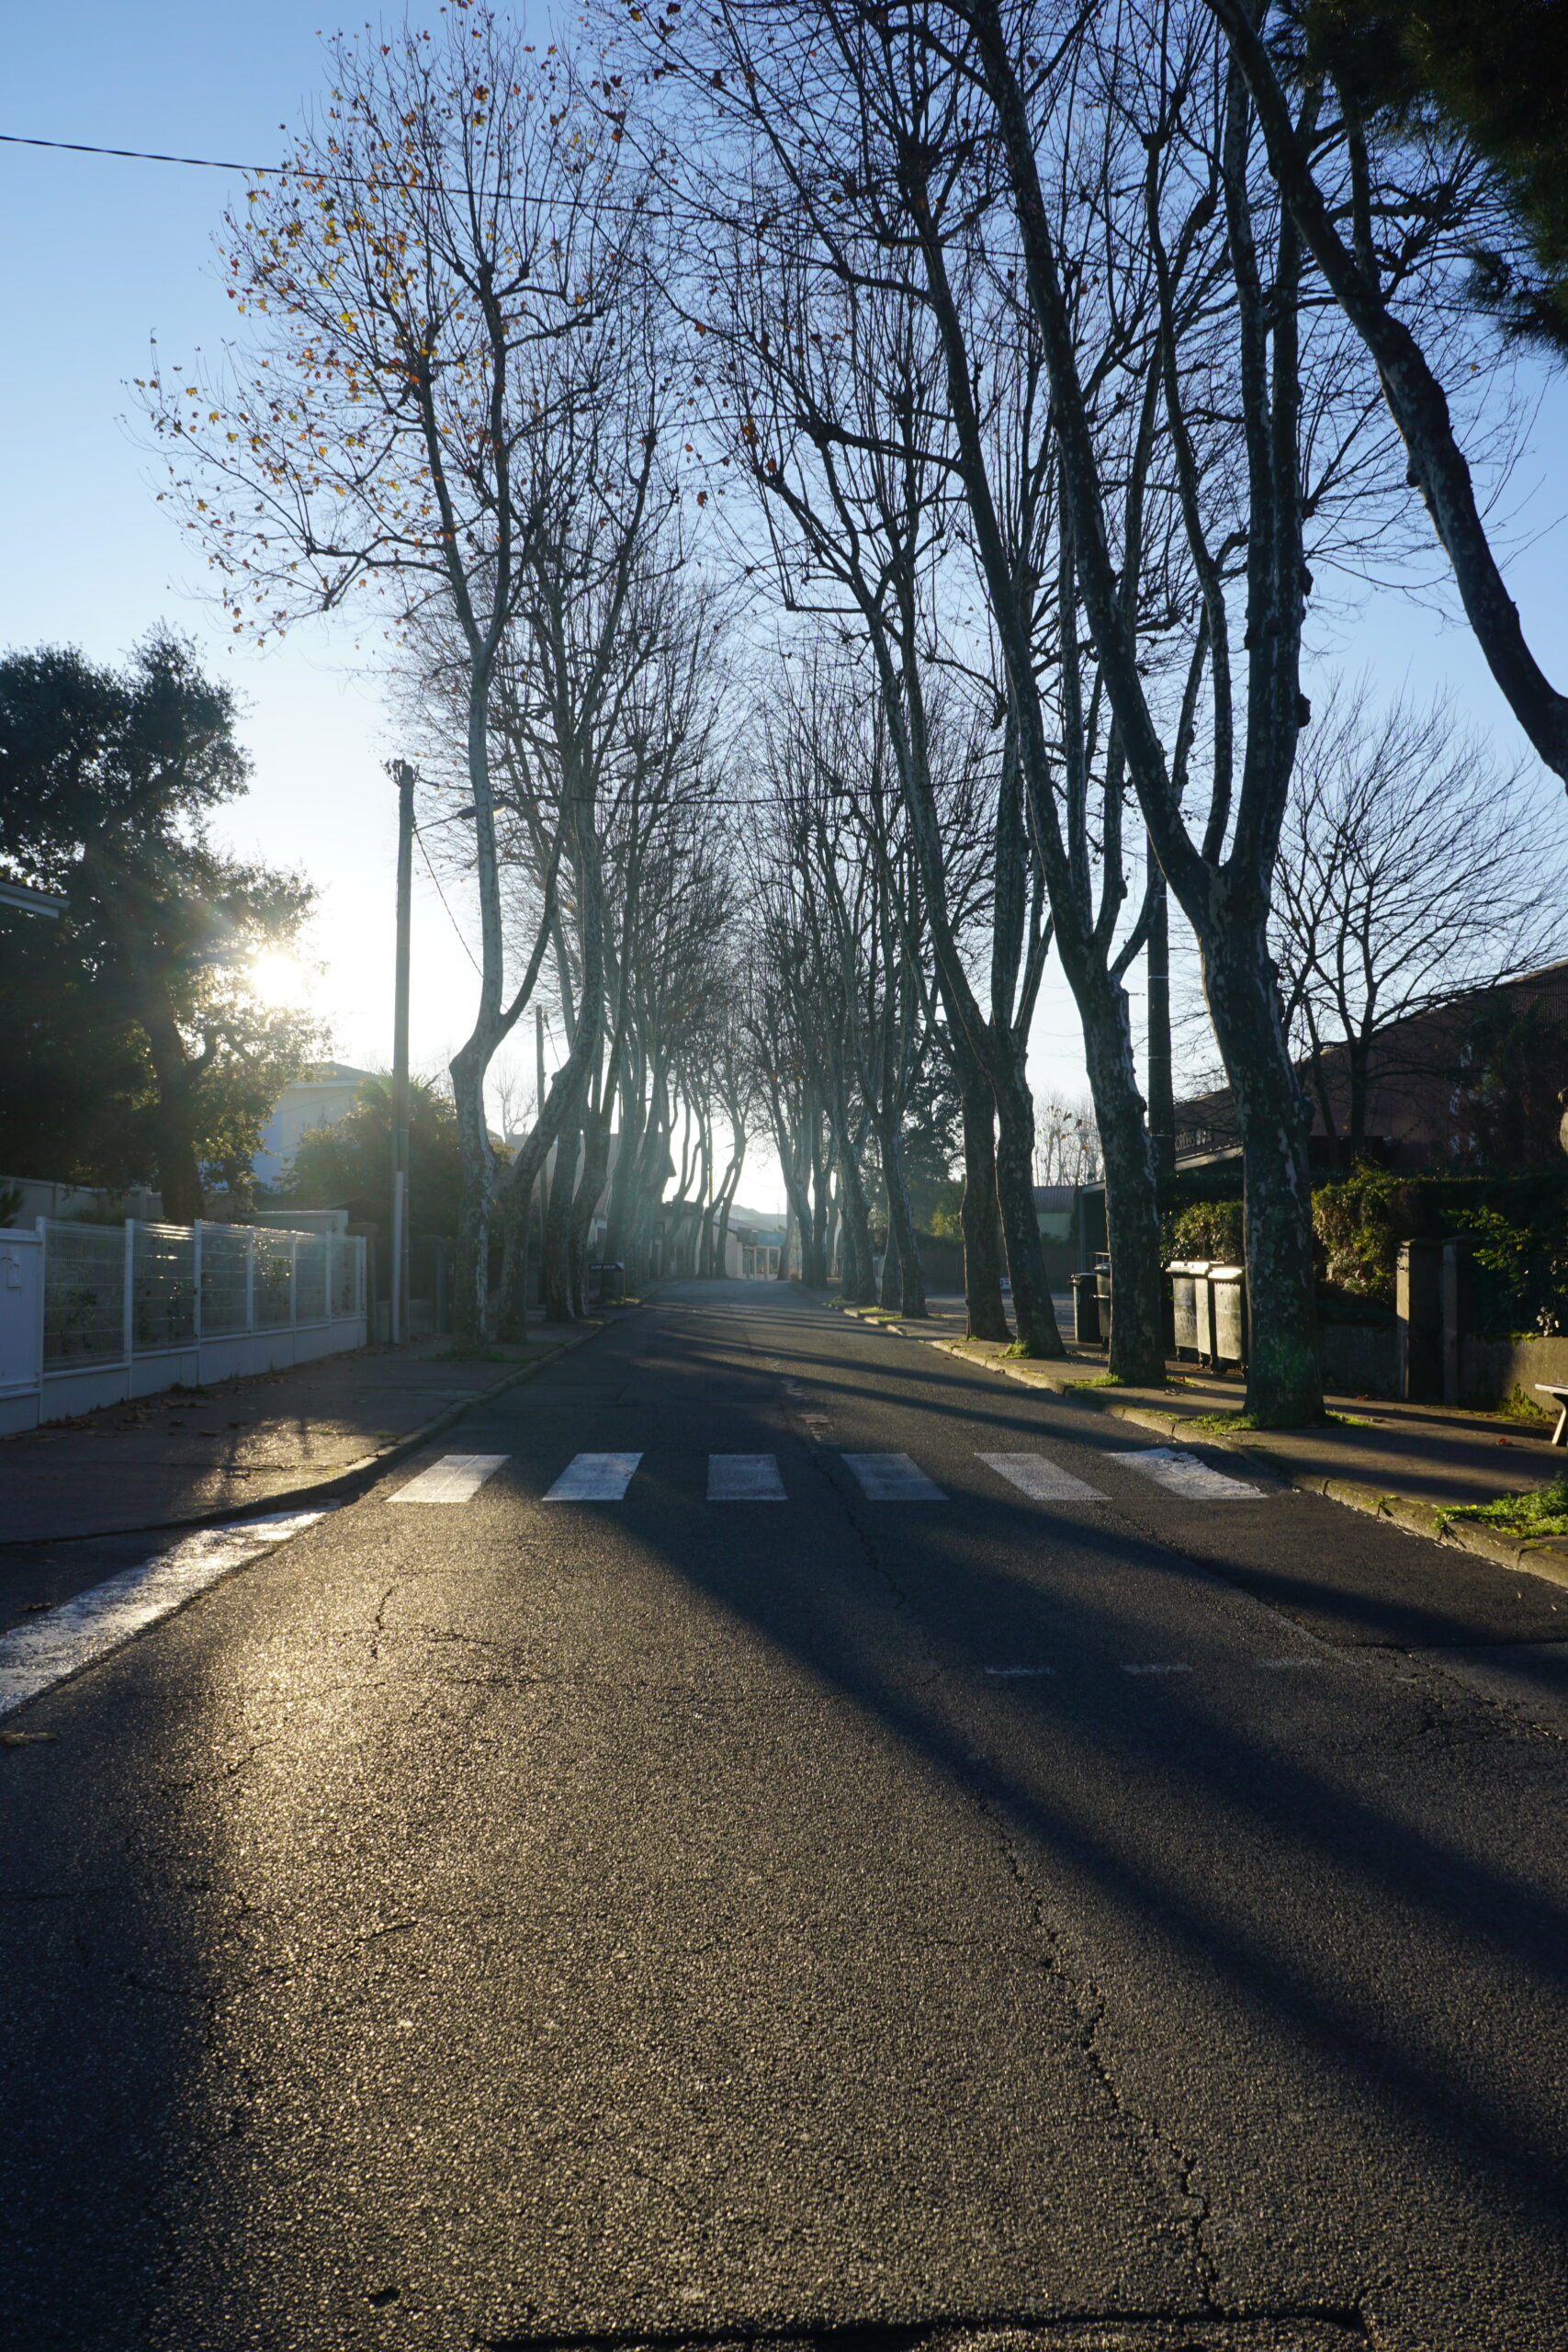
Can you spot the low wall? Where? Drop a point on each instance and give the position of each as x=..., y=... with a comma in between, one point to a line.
x=85, y=1389
x=1492, y=1369
x=1360, y=1357
x=95, y=1314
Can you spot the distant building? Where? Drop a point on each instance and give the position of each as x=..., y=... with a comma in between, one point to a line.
x=323, y=1096
x=1473, y=1079
x=753, y=1244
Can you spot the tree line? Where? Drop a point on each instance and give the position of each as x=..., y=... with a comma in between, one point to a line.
x=848, y=486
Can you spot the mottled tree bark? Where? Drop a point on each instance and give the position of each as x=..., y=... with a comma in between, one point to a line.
x=901, y=1240
x=981, y=1214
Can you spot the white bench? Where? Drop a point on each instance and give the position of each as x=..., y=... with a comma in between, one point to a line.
x=1559, y=1395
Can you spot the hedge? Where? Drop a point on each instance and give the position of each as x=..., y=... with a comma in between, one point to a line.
x=1360, y=1220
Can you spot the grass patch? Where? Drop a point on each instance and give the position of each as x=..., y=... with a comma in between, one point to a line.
x=1097, y=1380
x=1543, y=1510
x=1221, y=1424
x=1521, y=1407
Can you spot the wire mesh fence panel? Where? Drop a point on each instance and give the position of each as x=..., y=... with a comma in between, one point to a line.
x=225, y=1249
x=83, y=1294
x=310, y=1279
x=162, y=1287
x=344, y=1251
x=274, y=1277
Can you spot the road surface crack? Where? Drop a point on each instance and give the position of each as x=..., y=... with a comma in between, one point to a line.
x=1170, y=2168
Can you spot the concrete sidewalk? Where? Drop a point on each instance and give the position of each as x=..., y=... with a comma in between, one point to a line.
x=1411, y=1463
x=185, y=1457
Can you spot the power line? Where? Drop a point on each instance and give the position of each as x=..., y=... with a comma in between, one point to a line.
x=143, y=154
x=310, y=172
x=442, y=896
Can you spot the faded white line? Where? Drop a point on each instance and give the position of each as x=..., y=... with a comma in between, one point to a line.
x=1016, y=1672
x=745, y=1478
x=892, y=1478
x=595, y=1478
x=1042, y=1481
x=1185, y=1474
x=80, y=1632
x=455, y=1478
x=1173, y=1665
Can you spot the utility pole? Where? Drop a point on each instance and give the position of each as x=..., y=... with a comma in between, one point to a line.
x=403, y=775
x=1162, y=1100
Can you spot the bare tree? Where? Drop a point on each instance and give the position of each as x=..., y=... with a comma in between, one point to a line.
x=440, y=293
x=1269, y=441
x=1412, y=867
x=887, y=401
x=1068, y=1148
x=1367, y=286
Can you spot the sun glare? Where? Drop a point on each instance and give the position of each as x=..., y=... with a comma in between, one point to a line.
x=279, y=979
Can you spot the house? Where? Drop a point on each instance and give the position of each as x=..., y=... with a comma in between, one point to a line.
x=1474, y=1080
x=753, y=1244
x=323, y=1096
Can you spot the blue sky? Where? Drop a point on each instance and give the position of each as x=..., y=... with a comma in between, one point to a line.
x=99, y=255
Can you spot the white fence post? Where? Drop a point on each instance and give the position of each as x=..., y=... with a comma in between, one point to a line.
x=41, y=1225
x=195, y=1278
x=129, y=1288
x=250, y=1278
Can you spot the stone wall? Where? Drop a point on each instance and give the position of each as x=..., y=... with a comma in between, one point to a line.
x=1493, y=1369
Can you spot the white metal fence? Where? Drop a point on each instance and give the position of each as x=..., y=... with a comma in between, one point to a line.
x=90, y=1314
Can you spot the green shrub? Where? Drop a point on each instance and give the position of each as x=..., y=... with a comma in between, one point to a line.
x=1360, y=1220
x=1211, y=1229
x=1355, y=1225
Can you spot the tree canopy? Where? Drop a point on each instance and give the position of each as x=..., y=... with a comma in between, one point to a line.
x=138, y=1045
x=347, y=1165
x=1499, y=76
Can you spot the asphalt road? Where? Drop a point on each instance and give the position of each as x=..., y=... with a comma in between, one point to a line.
x=981, y=1919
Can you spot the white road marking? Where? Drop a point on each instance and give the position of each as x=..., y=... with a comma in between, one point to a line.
x=455, y=1478
x=33, y=1658
x=1012, y=1671
x=1041, y=1480
x=892, y=1478
x=1174, y=1666
x=1278, y=1664
x=1184, y=1475
x=595, y=1478
x=745, y=1478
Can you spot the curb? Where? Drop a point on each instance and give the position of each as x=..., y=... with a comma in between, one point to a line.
x=343, y=1485
x=1547, y=1559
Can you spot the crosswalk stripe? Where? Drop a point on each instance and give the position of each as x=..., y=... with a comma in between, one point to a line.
x=892, y=1478
x=1041, y=1481
x=595, y=1478
x=1184, y=1475
x=455, y=1478
x=34, y=1658
x=745, y=1478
